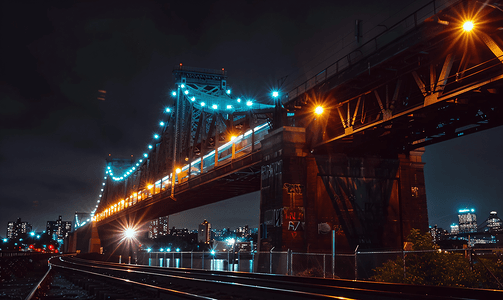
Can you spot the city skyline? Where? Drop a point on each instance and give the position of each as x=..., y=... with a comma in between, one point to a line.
x=55, y=134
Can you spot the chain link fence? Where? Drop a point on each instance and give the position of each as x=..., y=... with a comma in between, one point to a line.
x=358, y=265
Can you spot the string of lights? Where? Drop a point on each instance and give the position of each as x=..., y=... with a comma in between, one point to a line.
x=189, y=94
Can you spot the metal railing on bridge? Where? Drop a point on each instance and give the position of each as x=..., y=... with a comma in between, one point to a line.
x=382, y=39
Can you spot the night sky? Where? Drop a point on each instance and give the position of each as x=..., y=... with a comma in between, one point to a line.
x=55, y=134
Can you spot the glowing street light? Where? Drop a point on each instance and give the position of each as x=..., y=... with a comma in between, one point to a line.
x=318, y=110
x=275, y=94
x=129, y=233
x=468, y=26
x=178, y=170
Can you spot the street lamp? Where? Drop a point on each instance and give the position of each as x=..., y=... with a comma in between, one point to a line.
x=468, y=26
x=318, y=110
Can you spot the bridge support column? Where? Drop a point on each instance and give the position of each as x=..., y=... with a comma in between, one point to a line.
x=283, y=180
x=369, y=201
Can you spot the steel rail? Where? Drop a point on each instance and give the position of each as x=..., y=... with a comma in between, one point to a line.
x=39, y=285
x=219, y=283
x=294, y=287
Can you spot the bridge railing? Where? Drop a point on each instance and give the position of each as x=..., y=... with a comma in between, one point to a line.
x=380, y=40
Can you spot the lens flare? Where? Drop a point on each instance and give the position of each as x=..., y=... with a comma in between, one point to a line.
x=468, y=26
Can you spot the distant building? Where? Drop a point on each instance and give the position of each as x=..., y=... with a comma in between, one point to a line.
x=15, y=229
x=454, y=229
x=242, y=231
x=493, y=224
x=204, y=233
x=158, y=227
x=58, y=229
x=467, y=220
x=180, y=232
x=437, y=233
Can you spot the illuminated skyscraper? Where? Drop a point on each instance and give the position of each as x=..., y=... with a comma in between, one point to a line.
x=467, y=220
x=15, y=229
x=493, y=224
x=454, y=229
x=204, y=233
x=158, y=227
x=59, y=229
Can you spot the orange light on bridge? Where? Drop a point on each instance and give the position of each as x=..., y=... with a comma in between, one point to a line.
x=318, y=110
x=178, y=170
x=468, y=26
x=150, y=186
x=233, y=137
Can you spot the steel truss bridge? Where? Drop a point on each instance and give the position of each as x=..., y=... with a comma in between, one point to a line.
x=422, y=81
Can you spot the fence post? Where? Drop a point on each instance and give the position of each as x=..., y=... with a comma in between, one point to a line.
x=120, y=256
x=287, y=262
x=270, y=261
x=253, y=259
x=203, y=261
x=403, y=262
x=333, y=254
x=239, y=261
x=356, y=263
x=191, y=259
x=324, y=275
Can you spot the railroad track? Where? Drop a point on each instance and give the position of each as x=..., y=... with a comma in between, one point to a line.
x=123, y=281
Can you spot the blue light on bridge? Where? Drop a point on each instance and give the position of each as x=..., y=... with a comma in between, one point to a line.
x=140, y=160
x=161, y=123
x=228, y=92
x=169, y=249
x=5, y=240
x=203, y=104
x=32, y=233
x=193, y=99
x=134, y=168
x=156, y=136
x=212, y=252
x=275, y=94
x=182, y=85
x=38, y=236
x=145, y=154
x=229, y=106
x=239, y=100
x=150, y=146
x=173, y=93
x=161, y=250
x=214, y=106
x=148, y=249
x=177, y=249
x=186, y=92
x=168, y=109
x=249, y=103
